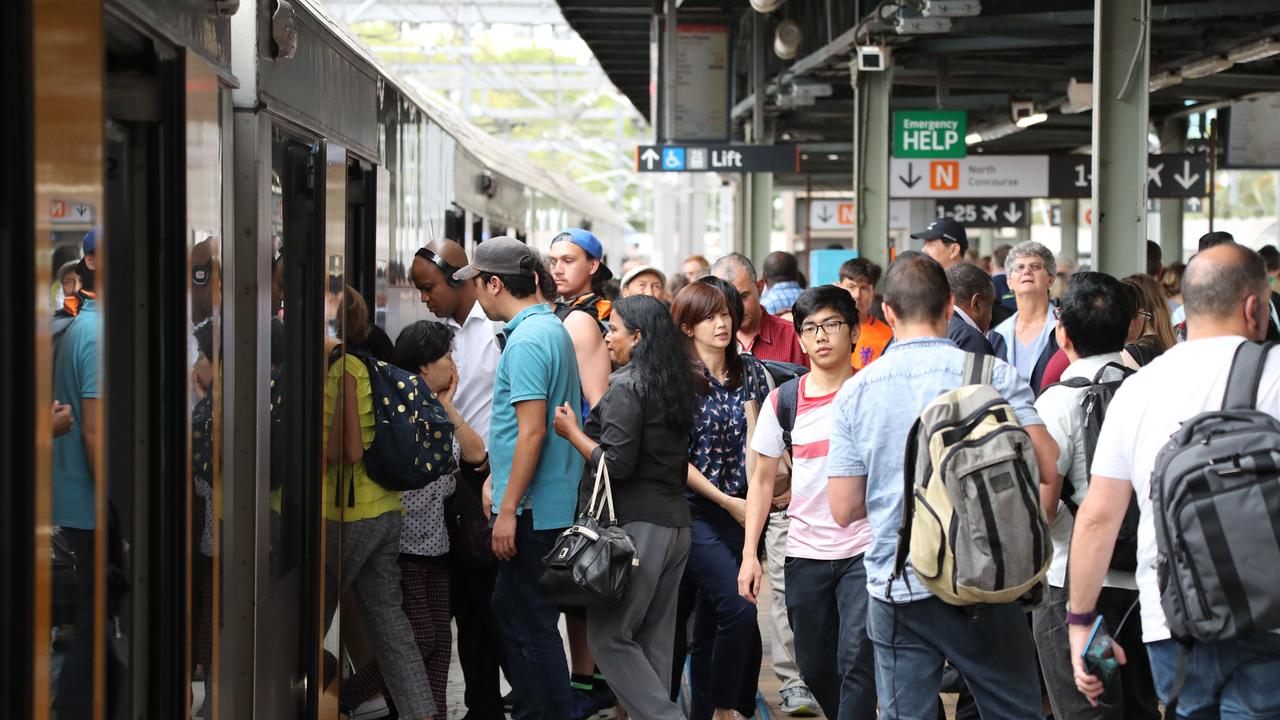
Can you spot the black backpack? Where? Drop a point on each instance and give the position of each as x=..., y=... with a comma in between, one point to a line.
x=1095, y=399
x=413, y=437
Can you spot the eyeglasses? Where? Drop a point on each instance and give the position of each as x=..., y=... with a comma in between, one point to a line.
x=829, y=328
x=1024, y=267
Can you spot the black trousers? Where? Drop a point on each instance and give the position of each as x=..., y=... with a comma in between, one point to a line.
x=479, y=642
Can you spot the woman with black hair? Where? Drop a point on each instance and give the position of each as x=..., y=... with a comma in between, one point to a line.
x=731, y=388
x=640, y=428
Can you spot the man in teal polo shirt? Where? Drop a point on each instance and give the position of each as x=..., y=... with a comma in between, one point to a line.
x=535, y=471
x=75, y=382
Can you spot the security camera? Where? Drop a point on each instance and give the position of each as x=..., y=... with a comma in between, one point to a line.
x=873, y=58
x=1020, y=109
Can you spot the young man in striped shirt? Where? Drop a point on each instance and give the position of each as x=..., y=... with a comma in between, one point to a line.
x=825, y=578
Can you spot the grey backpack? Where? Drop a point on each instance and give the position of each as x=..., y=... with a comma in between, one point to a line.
x=971, y=517
x=1215, y=497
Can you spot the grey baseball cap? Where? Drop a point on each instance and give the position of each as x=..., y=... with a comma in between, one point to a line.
x=501, y=255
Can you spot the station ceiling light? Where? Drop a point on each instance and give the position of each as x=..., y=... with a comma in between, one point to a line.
x=765, y=6
x=1033, y=119
x=1206, y=67
x=1255, y=51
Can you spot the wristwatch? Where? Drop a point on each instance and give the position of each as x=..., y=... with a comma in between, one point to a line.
x=1085, y=619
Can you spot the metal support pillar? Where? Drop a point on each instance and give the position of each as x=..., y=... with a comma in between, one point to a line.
x=668, y=87
x=758, y=187
x=1172, y=140
x=1121, y=70
x=871, y=94
x=1069, y=216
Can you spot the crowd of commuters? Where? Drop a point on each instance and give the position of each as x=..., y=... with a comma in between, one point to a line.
x=756, y=435
x=754, y=431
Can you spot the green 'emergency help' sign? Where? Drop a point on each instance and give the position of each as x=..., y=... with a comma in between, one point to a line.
x=929, y=134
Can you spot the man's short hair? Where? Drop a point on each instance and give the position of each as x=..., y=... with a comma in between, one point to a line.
x=1000, y=254
x=916, y=287
x=967, y=280
x=779, y=267
x=1095, y=313
x=521, y=286
x=1155, y=258
x=1218, y=237
x=728, y=267
x=1271, y=256
x=1216, y=289
x=860, y=269
x=821, y=298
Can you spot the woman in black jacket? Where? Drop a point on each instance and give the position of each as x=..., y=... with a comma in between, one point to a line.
x=641, y=429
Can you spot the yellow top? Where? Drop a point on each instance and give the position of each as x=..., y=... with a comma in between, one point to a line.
x=371, y=499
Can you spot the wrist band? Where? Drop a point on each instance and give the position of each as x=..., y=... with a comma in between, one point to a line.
x=1081, y=618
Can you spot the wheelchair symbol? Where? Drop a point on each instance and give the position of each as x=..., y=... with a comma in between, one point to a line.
x=673, y=158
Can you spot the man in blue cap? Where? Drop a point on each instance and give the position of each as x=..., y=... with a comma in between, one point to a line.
x=578, y=269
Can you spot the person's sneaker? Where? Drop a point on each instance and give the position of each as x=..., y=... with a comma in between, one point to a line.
x=582, y=704
x=606, y=703
x=372, y=709
x=798, y=702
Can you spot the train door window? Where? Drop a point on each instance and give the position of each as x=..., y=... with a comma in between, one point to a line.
x=289, y=616
x=361, y=231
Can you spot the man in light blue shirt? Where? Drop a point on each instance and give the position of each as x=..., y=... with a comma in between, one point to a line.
x=913, y=631
x=535, y=471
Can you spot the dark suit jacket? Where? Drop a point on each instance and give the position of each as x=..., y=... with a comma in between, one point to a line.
x=968, y=337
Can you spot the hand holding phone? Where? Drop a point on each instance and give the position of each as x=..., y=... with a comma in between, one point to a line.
x=1099, y=652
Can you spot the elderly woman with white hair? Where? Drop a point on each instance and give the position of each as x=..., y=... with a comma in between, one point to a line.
x=1026, y=340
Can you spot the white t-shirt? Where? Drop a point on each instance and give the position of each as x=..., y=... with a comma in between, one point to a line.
x=1059, y=407
x=813, y=533
x=476, y=353
x=1188, y=379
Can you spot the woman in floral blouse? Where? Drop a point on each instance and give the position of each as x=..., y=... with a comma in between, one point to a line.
x=733, y=386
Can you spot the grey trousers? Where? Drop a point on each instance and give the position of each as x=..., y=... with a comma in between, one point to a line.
x=632, y=641
x=369, y=550
x=782, y=643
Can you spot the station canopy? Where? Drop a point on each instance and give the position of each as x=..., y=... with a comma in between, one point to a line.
x=1204, y=55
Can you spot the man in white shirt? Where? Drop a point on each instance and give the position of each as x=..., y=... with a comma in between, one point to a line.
x=1226, y=297
x=1091, y=330
x=476, y=353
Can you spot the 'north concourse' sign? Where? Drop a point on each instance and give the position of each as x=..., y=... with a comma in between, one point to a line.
x=929, y=134
x=717, y=158
x=1035, y=176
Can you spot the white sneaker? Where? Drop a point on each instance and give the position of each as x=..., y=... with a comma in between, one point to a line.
x=797, y=702
x=371, y=709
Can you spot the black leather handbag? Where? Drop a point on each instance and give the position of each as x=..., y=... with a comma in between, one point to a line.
x=590, y=562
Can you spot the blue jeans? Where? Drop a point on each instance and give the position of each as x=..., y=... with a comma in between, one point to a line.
x=724, y=625
x=839, y=666
x=1230, y=679
x=990, y=645
x=536, y=665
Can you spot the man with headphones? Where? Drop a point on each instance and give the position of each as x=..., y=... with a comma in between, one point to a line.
x=476, y=351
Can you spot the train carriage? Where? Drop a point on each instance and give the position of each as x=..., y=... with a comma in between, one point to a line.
x=212, y=172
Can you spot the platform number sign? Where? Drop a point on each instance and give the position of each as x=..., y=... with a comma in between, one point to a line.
x=980, y=213
x=929, y=134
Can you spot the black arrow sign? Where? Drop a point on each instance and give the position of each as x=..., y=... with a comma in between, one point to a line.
x=824, y=214
x=911, y=179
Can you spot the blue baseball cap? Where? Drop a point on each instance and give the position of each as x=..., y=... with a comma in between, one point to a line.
x=590, y=244
x=91, y=241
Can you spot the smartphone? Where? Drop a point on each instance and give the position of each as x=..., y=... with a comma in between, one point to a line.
x=1099, y=656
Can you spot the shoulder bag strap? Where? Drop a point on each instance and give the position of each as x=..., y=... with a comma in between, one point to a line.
x=592, y=511
x=602, y=477
x=978, y=368
x=788, y=401
x=1246, y=375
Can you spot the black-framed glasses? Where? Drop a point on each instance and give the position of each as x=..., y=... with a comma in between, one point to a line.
x=829, y=328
